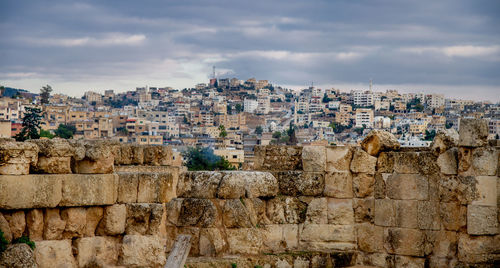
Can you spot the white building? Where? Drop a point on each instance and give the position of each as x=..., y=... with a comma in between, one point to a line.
x=363, y=98
x=250, y=105
x=364, y=117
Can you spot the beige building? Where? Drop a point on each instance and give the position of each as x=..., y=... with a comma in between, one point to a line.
x=233, y=156
x=5, y=128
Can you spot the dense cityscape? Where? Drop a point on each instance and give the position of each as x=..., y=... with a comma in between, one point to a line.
x=231, y=116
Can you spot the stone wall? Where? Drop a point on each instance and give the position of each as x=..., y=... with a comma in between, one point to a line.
x=314, y=206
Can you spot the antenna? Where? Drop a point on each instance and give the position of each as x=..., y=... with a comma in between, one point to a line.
x=213, y=71
x=371, y=84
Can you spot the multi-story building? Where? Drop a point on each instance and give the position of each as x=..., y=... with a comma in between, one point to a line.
x=363, y=98
x=263, y=105
x=435, y=100
x=364, y=118
x=250, y=105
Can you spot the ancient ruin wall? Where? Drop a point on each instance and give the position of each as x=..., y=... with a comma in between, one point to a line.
x=310, y=206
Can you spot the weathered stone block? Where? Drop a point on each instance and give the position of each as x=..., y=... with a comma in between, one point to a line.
x=385, y=162
x=17, y=223
x=18, y=255
x=194, y=232
x=198, y=212
x=364, y=209
x=479, y=161
x=282, y=210
x=236, y=214
x=30, y=191
x=158, y=155
x=404, y=241
x=444, y=140
x=212, y=242
x=405, y=213
x=34, y=220
x=363, y=184
x=54, y=253
x=75, y=219
x=99, y=157
x=89, y=190
x=145, y=251
x=97, y=251
x=405, y=261
x=379, y=189
x=442, y=244
x=113, y=221
x=340, y=211
x=94, y=216
x=276, y=157
x=157, y=220
x=317, y=211
x=457, y=189
x=378, y=141
x=241, y=184
x=4, y=226
x=429, y=215
x=407, y=186
x=244, y=240
x=453, y=216
x=296, y=183
x=155, y=188
x=473, y=132
x=16, y=157
x=138, y=216
x=338, y=158
x=486, y=187
x=370, y=237
x=53, y=165
x=314, y=158
x=482, y=220
x=448, y=161
x=129, y=154
x=272, y=238
x=53, y=224
x=290, y=236
x=478, y=249
x=323, y=237
x=200, y=184
x=385, y=212
x=338, y=184
x=362, y=162
x=127, y=187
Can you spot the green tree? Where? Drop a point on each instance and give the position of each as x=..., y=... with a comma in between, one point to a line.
x=222, y=131
x=198, y=158
x=239, y=108
x=429, y=135
x=65, y=131
x=45, y=94
x=2, y=89
x=31, y=124
x=46, y=134
x=259, y=130
x=277, y=135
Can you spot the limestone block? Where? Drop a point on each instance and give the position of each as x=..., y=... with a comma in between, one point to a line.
x=113, y=221
x=457, y=189
x=314, y=158
x=444, y=140
x=236, y=214
x=97, y=251
x=379, y=189
x=406, y=162
x=276, y=157
x=75, y=219
x=411, y=262
x=137, y=218
x=99, y=158
x=129, y=154
x=429, y=217
x=385, y=162
x=478, y=249
x=199, y=184
x=145, y=251
x=173, y=209
x=18, y=255
x=385, y=212
x=53, y=165
x=30, y=191
x=442, y=244
x=241, y=184
x=317, y=211
x=155, y=188
x=370, y=237
x=93, y=217
x=362, y=162
x=54, y=156
x=327, y=233
x=406, y=210
x=89, y=189
x=290, y=236
x=53, y=224
x=482, y=220
x=340, y=211
x=378, y=141
x=363, y=184
x=4, y=226
x=54, y=253
x=272, y=238
x=282, y=210
x=127, y=187
x=244, y=240
x=448, y=161
x=212, y=242
x=157, y=220
x=194, y=232
x=338, y=184
x=17, y=223
x=473, y=132
x=296, y=183
x=34, y=220
x=486, y=187
x=338, y=158
x=300, y=263
x=479, y=161
x=16, y=157
x=453, y=216
x=407, y=186
x=364, y=209
x=158, y=155
x=198, y=212
x=404, y=241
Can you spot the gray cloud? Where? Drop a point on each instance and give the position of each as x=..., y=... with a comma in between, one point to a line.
x=444, y=46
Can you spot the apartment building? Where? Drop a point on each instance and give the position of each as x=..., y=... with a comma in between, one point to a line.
x=364, y=117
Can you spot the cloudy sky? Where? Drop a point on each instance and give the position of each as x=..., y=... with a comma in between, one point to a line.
x=445, y=46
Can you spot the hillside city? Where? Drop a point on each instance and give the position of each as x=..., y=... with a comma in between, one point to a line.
x=232, y=116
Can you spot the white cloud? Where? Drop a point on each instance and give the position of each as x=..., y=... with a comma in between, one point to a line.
x=466, y=51
x=110, y=39
x=300, y=57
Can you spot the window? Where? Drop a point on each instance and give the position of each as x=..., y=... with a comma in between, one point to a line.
x=235, y=156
